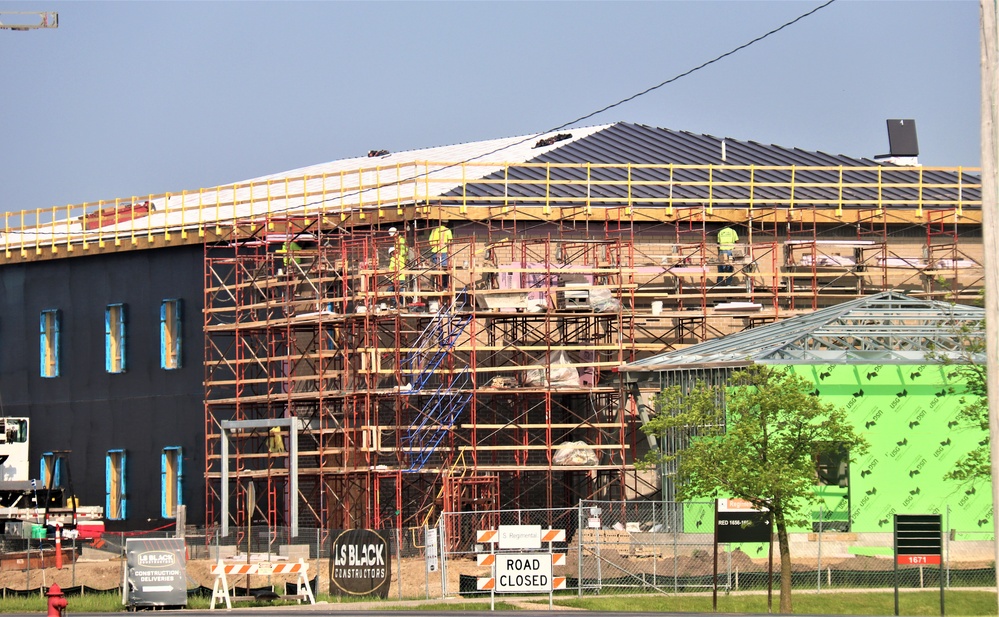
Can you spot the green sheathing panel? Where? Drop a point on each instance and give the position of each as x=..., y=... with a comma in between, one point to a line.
x=908, y=414
x=699, y=517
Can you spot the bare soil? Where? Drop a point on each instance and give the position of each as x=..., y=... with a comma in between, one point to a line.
x=108, y=574
x=417, y=583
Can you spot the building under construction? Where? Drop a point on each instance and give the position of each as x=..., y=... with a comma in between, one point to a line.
x=363, y=370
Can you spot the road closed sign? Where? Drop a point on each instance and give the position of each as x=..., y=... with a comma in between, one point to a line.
x=524, y=573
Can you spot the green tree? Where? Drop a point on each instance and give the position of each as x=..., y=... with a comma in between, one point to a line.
x=975, y=466
x=756, y=438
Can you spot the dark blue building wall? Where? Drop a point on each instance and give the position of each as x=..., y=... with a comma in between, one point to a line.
x=86, y=409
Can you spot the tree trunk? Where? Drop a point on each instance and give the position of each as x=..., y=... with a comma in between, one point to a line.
x=785, y=565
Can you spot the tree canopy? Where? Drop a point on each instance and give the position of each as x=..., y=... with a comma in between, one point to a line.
x=756, y=438
x=976, y=465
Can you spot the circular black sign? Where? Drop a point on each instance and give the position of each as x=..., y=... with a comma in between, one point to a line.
x=360, y=563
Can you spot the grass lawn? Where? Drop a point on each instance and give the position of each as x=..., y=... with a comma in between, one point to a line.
x=911, y=603
x=956, y=603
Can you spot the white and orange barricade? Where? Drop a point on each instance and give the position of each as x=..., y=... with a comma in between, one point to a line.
x=220, y=590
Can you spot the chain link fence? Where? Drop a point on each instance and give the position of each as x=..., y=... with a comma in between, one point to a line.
x=663, y=547
x=610, y=548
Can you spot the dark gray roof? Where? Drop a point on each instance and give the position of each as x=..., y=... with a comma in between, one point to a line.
x=623, y=143
x=887, y=328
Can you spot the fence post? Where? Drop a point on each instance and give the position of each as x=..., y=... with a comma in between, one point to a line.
x=728, y=568
x=947, y=545
x=319, y=558
x=655, y=547
x=121, y=561
x=818, y=569
x=442, y=549
x=579, y=548
x=676, y=546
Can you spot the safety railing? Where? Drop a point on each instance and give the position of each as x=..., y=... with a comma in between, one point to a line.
x=367, y=195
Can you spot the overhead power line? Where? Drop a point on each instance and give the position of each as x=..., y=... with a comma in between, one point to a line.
x=652, y=88
x=696, y=68
x=638, y=94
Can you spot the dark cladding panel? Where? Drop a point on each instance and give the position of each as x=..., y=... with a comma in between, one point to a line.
x=86, y=409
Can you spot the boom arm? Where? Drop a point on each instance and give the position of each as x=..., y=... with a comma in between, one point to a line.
x=16, y=20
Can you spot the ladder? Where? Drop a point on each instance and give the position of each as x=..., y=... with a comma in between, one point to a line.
x=451, y=396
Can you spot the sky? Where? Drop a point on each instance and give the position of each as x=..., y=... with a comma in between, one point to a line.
x=133, y=98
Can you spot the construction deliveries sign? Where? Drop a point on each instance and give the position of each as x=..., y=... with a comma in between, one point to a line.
x=156, y=572
x=360, y=563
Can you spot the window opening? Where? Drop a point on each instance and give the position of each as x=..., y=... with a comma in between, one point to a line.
x=170, y=334
x=172, y=472
x=115, y=507
x=114, y=331
x=52, y=470
x=49, y=352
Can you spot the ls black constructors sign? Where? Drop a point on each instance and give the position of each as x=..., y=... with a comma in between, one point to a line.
x=360, y=562
x=744, y=526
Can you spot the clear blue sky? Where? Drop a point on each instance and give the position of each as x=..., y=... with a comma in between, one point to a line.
x=130, y=98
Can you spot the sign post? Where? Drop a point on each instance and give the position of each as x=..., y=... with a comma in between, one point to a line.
x=919, y=541
x=742, y=524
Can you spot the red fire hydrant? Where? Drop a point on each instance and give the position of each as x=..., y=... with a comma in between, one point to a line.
x=57, y=601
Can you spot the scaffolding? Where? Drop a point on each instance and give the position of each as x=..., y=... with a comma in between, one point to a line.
x=416, y=386
x=487, y=380
x=415, y=391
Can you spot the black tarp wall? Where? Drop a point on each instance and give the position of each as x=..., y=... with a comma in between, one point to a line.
x=86, y=409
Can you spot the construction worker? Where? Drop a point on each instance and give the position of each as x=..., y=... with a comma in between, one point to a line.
x=727, y=237
x=397, y=278
x=288, y=249
x=400, y=243
x=490, y=278
x=440, y=244
x=275, y=442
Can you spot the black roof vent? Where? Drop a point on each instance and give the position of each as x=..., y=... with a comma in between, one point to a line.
x=902, y=138
x=547, y=141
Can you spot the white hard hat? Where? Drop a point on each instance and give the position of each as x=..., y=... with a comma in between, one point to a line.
x=391, y=250
x=392, y=231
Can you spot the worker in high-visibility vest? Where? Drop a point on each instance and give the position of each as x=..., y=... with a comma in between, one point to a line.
x=440, y=245
x=400, y=243
x=727, y=237
x=275, y=442
x=397, y=278
x=288, y=249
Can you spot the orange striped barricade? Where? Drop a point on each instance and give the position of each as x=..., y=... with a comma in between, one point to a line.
x=220, y=589
x=522, y=571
